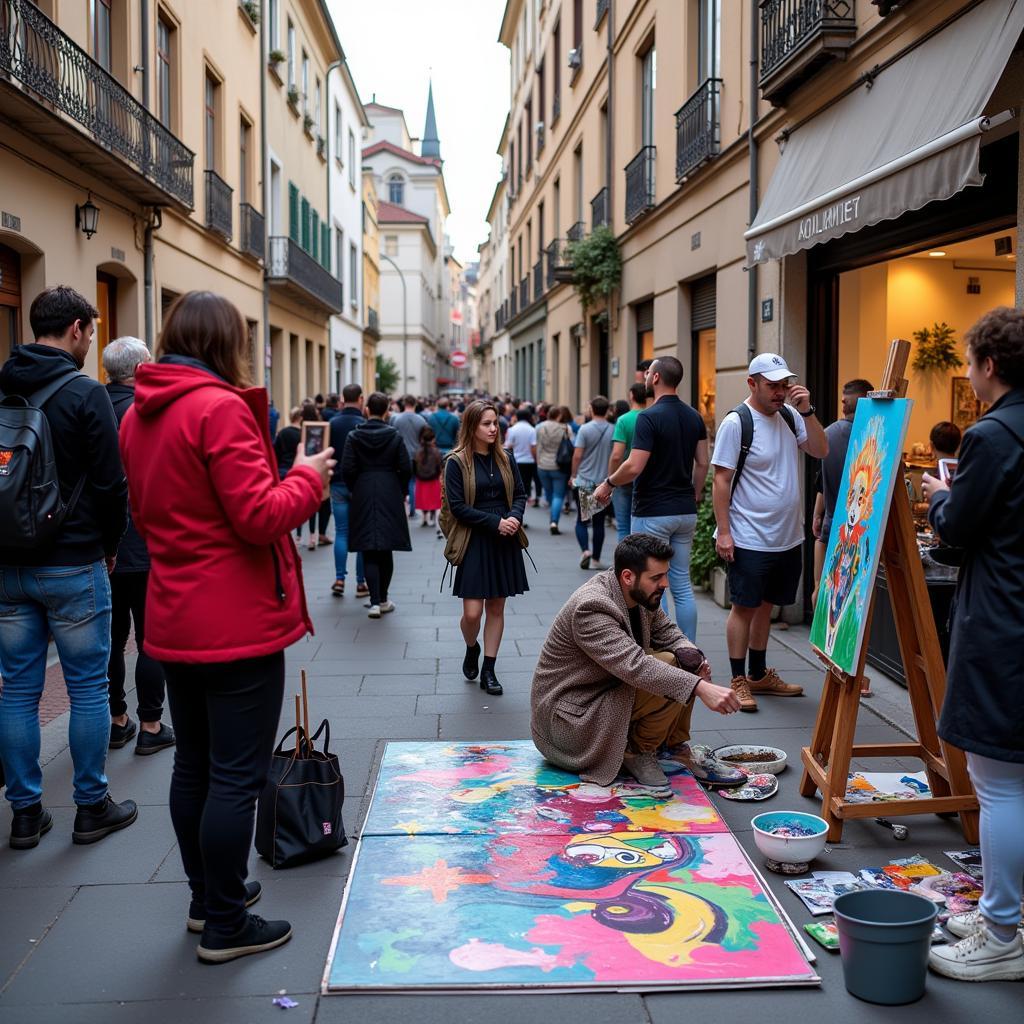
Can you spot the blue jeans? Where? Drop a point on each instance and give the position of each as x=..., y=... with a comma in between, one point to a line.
x=677, y=531
x=340, y=499
x=73, y=604
x=622, y=502
x=597, y=521
x=554, y=482
x=412, y=493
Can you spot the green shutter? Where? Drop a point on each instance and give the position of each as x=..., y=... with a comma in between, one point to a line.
x=325, y=246
x=304, y=242
x=293, y=212
x=315, y=237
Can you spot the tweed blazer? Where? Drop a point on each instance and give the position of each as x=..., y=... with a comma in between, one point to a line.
x=588, y=671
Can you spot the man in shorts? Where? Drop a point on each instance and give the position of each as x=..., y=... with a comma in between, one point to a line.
x=760, y=522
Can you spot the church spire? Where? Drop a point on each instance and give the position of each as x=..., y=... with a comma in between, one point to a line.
x=430, y=147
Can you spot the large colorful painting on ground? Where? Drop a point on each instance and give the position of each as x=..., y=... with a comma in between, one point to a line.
x=557, y=886
x=858, y=526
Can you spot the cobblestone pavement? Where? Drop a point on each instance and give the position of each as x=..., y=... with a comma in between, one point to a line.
x=97, y=933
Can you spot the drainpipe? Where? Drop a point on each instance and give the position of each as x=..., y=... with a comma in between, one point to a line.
x=608, y=163
x=752, y=279
x=152, y=220
x=265, y=200
x=330, y=223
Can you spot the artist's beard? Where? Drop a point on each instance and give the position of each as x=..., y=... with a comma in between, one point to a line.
x=648, y=601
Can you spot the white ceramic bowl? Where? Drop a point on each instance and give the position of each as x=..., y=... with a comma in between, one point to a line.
x=789, y=849
x=769, y=767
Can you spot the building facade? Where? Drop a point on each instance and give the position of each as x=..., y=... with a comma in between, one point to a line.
x=371, y=282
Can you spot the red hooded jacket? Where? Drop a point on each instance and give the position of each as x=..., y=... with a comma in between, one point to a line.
x=226, y=581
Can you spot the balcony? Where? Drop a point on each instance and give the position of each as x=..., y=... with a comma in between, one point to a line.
x=799, y=37
x=698, y=133
x=559, y=263
x=524, y=293
x=640, y=184
x=299, y=277
x=372, y=327
x=54, y=92
x=218, y=205
x=576, y=232
x=251, y=228
x=600, y=215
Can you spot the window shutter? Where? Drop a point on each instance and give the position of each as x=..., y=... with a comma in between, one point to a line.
x=293, y=212
x=645, y=316
x=304, y=242
x=315, y=237
x=325, y=245
x=702, y=303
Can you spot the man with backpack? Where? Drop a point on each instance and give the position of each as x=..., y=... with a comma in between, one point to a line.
x=63, y=508
x=757, y=503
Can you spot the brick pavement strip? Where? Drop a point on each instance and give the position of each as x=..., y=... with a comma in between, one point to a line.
x=96, y=933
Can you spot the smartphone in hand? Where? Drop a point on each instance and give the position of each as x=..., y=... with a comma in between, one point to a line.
x=947, y=470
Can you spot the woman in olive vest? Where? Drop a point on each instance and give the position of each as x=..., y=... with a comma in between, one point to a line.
x=484, y=494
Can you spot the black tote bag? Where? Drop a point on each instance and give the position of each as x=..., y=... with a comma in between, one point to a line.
x=299, y=816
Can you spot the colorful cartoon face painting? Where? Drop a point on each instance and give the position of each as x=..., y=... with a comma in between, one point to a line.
x=852, y=555
x=584, y=896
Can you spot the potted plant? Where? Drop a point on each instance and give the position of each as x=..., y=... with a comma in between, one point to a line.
x=596, y=267
x=936, y=349
x=293, y=96
x=276, y=58
x=307, y=123
x=252, y=10
x=703, y=556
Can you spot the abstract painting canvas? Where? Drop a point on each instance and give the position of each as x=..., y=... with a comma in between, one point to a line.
x=858, y=526
x=553, y=888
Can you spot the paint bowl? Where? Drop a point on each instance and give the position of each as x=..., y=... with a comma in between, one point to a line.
x=789, y=837
x=755, y=758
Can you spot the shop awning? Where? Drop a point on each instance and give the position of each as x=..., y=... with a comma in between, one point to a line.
x=910, y=138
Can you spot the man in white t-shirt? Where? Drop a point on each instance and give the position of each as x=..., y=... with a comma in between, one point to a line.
x=760, y=521
x=521, y=440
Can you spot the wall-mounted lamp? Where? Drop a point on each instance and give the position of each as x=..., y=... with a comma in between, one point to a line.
x=87, y=217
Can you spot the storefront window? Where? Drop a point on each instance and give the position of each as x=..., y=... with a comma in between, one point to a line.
x=704, y=378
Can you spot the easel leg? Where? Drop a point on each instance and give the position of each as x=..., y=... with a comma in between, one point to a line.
x=841, y=754
x=821, y=740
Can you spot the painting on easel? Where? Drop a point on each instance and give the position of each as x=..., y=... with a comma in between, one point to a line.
x=858, y=526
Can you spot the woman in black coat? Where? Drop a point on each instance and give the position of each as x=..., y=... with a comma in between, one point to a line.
x=492, y=567
x=376, y=469
x=983, y=713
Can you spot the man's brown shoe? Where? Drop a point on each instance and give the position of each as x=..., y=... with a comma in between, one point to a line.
x=741, y=687
x=771, y=685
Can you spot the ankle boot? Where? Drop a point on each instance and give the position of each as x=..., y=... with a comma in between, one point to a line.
x=471, y=662
x=489, y=682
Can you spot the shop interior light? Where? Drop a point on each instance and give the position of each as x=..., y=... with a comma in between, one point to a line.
x=937, y=252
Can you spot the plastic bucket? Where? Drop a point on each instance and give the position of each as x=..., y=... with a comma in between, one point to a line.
x=884, y=937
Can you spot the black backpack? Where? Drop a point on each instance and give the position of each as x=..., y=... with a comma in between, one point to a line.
x=32, y=510
x=747, y=436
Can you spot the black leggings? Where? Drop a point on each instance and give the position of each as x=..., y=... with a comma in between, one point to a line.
x=128, y=603
x=225, y=715
x=324, y=517
x=380, y=567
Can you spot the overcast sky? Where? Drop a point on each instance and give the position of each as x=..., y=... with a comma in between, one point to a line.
x=395, y=46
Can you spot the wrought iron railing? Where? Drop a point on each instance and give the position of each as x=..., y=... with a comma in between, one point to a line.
x=513, y=303
x=600, y=215
x=57, y=72
x=602, y=10
x=538, y=279
x=698, y=134
x=251, y=228
x=373, y=319
x=218, y=204
x=576, y=232
x=640, y=184
x=787, y=26
x=289, y=262
x=524, y=293
x=559, y=263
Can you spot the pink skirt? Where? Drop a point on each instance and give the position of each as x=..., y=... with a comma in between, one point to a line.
x=428, y=495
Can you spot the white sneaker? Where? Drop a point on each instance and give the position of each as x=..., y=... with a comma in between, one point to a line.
x=962, y=925
x=375, y=611
x=980, y=957
x=596, y=565
x=387, y=606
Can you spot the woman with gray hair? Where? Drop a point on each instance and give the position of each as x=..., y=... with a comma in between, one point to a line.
x=128, y=584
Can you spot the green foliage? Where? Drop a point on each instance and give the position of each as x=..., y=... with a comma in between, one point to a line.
x=252, y=10
x=387, y=375
x=703, y=557
x=936, y=348
x=596, y=266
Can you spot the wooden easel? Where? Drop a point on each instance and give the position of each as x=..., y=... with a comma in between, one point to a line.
x=827, y=760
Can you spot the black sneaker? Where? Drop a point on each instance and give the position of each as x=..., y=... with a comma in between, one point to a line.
x=121, y=734
x=255, y=936
x=151, y=742
x=26, y=828
x=197, y=912
x=94, y=822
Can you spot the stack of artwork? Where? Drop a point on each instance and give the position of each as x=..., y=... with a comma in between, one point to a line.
x=480, y=866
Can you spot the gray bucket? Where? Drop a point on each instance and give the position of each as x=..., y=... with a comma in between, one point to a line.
x=884, y=937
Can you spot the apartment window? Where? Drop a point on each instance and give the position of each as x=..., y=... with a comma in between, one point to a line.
x=396, y=189
x=291, y=54
x=305, y=82
x=293, y=212
x=648, y=82
x=529, y=134
x=314, y=236
x=304, y=217
x=351, y=158
x=337, y=131
x=244, y=159
x=353, y=275
x=102, y=38
x=540, y=229
x=275, y=198
x=512, y=169
x=211, y=97
x=316, y=104
x=339, y=258
x=519, y=153
x=166, y=43
x=556, y=207
x=391, y=245
x=577, y=24
x=556, y=73
x=709, y=59
x=577, y=166
x=540, y=91
x=274, y=24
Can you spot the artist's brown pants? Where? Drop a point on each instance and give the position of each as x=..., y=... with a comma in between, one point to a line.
x=656, y=720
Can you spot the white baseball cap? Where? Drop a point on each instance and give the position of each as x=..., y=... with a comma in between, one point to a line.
x=770, y=366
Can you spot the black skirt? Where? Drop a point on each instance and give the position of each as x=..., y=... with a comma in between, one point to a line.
x=493, y=566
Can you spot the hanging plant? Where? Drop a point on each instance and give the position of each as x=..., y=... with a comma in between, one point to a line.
x=936, y=349
x=596, y=267
x=703, y=556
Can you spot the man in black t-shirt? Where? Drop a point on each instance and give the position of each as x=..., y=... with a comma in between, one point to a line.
x=668, y=462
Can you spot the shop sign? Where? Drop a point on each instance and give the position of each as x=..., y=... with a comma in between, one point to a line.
x=117, y=254
x=843, y=212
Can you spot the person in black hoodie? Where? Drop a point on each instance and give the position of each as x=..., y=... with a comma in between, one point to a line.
x=63, y=589
x=128, y=583
x=376, y=470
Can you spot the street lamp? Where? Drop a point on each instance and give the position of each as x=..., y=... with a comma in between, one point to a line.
x=405, y=324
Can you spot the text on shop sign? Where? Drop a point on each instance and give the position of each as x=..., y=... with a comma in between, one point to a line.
x=831, y=217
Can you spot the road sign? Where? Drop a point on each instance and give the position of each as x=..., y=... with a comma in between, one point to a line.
x=457, y=359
